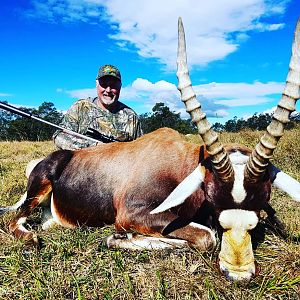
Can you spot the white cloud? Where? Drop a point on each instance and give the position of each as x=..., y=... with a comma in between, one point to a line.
x=240, y=94
x=220, y=113
x=5, y=95
x=82, y=93
x=266, y=27
x=270, y=110
x=144, y=84
x=244, y=101
x=214, y=29
x=216, y=98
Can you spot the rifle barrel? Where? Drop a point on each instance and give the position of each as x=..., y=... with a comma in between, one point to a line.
x=19, y=112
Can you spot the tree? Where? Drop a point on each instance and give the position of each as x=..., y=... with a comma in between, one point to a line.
x=162, y=116
x=258, y=122
x=218, y=127
x=48, y=112
x=231, y=125
x=14, y=127
x=5, y=119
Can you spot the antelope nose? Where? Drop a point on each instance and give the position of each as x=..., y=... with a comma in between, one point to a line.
x=240, y=275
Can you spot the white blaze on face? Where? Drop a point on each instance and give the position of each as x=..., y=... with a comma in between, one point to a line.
x=238, y=161
x=236, y=255
x=238, y=218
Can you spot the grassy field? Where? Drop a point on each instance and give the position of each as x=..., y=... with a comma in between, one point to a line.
x=75, y=264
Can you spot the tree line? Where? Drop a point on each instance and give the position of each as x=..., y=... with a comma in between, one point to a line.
x=14, y=127
x=17, y=128
x=256, y=122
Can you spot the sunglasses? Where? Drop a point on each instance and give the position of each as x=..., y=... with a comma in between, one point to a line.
x=111, y=82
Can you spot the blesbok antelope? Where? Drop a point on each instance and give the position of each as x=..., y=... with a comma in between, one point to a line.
x=162, y=186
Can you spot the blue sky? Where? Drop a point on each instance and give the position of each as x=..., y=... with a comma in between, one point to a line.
x=238, y=51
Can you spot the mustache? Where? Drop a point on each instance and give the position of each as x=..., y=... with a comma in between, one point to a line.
x=109, y=94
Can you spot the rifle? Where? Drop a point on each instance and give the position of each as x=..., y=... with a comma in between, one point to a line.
x=92, y=134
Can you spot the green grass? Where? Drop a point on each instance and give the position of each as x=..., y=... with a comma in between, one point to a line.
x=75, y=264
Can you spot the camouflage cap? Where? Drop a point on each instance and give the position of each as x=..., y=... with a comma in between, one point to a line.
x=109, y=70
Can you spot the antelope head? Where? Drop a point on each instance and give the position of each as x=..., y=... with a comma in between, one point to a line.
x=238, y=182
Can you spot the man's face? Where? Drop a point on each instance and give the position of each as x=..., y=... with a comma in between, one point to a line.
x=108, y=90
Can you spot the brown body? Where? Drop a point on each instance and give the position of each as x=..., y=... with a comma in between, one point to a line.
x=119, y=183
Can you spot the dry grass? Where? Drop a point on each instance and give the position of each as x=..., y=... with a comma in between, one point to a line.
x=75, y=264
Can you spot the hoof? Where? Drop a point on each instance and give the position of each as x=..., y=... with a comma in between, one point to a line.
x=114, y=240
x=31, y=244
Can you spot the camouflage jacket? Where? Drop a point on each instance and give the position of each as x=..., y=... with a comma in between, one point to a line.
x=123, y=124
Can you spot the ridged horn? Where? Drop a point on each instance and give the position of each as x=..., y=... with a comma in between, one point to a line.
x=219, y=156
x=259, y=159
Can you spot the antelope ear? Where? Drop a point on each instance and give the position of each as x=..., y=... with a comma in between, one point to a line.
x=188, y=186
x=285, y=182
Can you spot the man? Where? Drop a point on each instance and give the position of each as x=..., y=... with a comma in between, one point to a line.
x=104, y=114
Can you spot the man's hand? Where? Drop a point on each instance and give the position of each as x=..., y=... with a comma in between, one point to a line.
x=100, y=136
